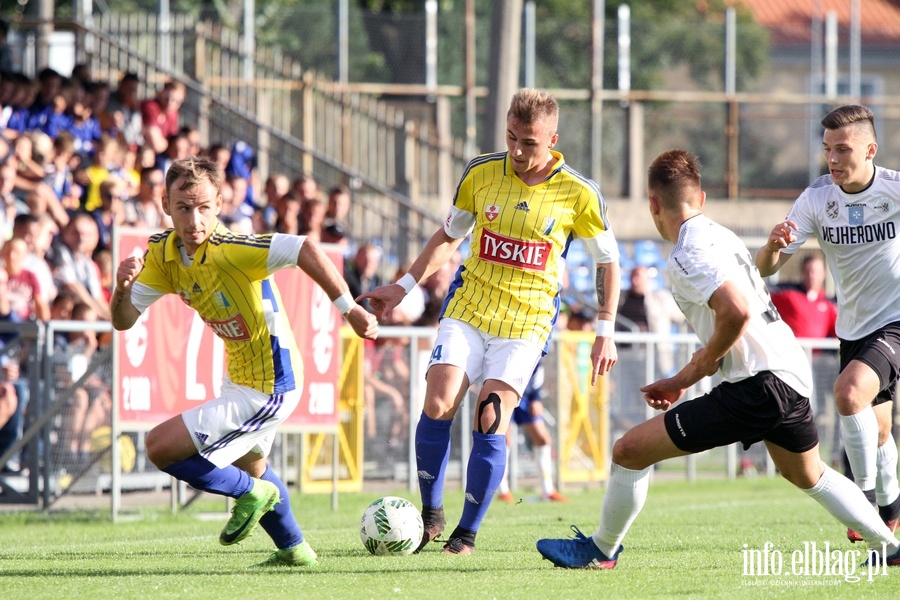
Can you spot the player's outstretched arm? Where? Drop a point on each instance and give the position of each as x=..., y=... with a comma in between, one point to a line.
x=769, y=258
x=122, y=312
x=604, y=353
x=437, y=251
x=320, y=269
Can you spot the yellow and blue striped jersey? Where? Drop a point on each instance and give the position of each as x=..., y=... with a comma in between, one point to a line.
x=509, y=286
x=228, y=283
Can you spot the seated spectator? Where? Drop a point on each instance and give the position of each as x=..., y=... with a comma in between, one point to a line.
x=160, y=115
x=37, y=233
x=177, y=147
x=22, y=286
x=50, y=85
x=74, y=269
x=361, y=273
x=107, y=163
x=122, y=118
x=312, y=218
x=111, y=213
x=192, y=133
x=60, y=173
x=305, y=187
x=146, y=209
x=338, y=206
x=81, y=122
x=220, y=155
x=23, y=98
x=287, y=214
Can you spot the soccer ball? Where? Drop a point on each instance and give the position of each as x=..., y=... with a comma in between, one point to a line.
x=391, y=526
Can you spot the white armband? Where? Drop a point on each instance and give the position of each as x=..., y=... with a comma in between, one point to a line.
x=407, y=282
x=605, y=328
x=344, y=303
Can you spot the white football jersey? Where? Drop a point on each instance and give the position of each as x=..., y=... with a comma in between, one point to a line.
x=858, y=234
x=706, y=256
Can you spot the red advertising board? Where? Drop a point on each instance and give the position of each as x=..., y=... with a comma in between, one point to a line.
x=171, y=361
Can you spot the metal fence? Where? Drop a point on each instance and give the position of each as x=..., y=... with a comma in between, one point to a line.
x=65, y=446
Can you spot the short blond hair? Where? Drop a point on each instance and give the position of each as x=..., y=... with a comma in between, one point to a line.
x=529, y=106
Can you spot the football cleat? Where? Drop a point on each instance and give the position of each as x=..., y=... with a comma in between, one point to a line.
x=891, y=560
x=505, y=497
x=301, y=555
x=455, y=545
x=578, y=553
x=554, y=496
x=248, y=510
x=434, y=523
x=853, y=536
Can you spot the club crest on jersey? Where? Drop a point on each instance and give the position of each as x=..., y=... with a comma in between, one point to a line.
x=549, y=222
x=221, y=300
x=492, y=212
x=522, y=254
x=883, y=206
x=856, y=214
x=185, y=297
x=832, y=209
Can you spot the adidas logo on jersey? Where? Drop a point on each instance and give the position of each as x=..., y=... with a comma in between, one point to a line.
x=522, y=206
x=196, y=289
x=201, y=437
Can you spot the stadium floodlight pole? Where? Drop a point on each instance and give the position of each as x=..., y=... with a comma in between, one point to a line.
x=855, y=51
x=431, y=47
x=343, y=42
x=624, y=41
x=529, y=34
x=831, y=54
x=598, y=36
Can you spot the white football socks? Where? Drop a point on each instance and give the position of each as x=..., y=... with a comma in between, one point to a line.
x=859, y=433
x=545, y=465
x=887, y=487
x=846, y=503
x=624, y=499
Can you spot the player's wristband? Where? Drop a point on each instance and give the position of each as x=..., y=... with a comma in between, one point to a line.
x=605, y=328
x=407, y=282
x=344, y=303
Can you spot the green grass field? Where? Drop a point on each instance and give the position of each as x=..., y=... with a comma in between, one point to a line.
x=687, y=543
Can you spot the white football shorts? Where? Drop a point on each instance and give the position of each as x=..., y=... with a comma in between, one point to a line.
x=484, y=356
x=239, y=421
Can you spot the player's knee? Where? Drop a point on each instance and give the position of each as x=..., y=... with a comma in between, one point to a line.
x=156, y=449
x=489, y=414
x=624, y=453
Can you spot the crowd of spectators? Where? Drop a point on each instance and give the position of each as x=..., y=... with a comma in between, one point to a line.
x=79, y=157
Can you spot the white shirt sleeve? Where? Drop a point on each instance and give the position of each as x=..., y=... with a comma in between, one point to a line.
x=283, y=251
x=602, y=248
x=459, y=223
x=142, y=296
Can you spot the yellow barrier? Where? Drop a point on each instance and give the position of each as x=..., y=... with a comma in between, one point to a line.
x=316, y=456
x=583, y=412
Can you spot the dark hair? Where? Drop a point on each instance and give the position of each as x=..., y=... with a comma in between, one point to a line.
x=673, y=172
x=850, y=114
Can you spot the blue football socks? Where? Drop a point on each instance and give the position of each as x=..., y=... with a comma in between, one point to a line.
x=484, y=472
x=432, y=454
x=279, y=522
x=201, y=474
